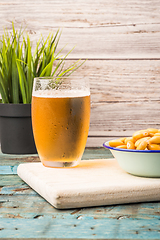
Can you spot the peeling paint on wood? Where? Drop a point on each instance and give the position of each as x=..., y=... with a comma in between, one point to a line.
x=21, y=209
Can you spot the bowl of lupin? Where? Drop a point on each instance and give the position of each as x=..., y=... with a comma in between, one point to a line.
x=138, y=154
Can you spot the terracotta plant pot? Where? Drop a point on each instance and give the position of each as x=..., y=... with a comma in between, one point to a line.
x=16, y=129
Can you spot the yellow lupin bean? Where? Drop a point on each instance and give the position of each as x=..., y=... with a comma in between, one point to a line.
x=153, y=147
x=128, y=139
x=122, y=139
x=146, y=139
x=140, y=134
x=115, y=143
x=130, y=145
x=151, y=134
x=154, y=139
x=140, y=140
x=142, y=145
x=152, y=130
x=157, y=134
x=122, y=146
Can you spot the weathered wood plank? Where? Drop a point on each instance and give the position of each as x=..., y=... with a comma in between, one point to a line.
x=9, y=179
x=81, y=13
x=125, y=97
x=89, y=229
x=9, y=163
x=32, y=206
x=124, y=94
x=24, y=214
x=31, y=209
x=105, y=29
x=98, y=141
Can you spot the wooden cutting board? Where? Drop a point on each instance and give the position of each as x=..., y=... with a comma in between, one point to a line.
x=92, y=183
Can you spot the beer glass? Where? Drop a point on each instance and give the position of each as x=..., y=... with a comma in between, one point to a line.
x=60, y=119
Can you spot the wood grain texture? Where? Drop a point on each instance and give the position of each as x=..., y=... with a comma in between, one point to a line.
x=10, y=162
x=105, y=29
x=21, y=209
x=100, y=30
x=77, y=229
x=97, y=187
x=125, y=97
x=120, y=41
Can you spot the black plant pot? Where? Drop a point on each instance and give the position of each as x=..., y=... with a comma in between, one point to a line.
x=16, y=129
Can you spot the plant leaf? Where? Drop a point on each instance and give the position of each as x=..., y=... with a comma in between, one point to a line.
x=22, y=82
x=3, y=90
x=15, y=80
x=29, y=71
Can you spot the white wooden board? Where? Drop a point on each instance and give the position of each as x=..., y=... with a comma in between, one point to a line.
x=92, y=183
x=98, y=29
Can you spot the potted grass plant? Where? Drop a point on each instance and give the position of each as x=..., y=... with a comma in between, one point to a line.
x=19, y=65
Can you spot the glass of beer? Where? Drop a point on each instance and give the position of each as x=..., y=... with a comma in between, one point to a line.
x=60, y=119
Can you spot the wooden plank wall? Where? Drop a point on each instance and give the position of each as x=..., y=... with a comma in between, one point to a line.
x=120, y=39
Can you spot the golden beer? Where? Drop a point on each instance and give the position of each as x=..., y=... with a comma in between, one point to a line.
x=60, y=126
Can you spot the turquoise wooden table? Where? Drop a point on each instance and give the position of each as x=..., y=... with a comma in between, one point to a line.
x=24, y=214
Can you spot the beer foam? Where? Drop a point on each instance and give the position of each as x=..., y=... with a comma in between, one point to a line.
x=61, y=93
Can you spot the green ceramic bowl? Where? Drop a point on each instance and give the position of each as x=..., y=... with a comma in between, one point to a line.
x=144, y=163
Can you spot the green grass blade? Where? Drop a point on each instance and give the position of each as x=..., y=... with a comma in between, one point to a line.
x=46, y=70
x=18, y=66
x=14, y=32
x=56, y=35
x=61, y=61
x=36, y=58
x=58, y=66
x=48, y=51
x=36, y=49
x=42, y=59
x=29, y=71
x=22, y=82
x=60, y=51
x=3, y=91
x=4, y=54
x=71, y=69
x=25, y=50
x=49, y=69
x=15, y=80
